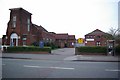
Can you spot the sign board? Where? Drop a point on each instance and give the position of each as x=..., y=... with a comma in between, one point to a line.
x=111, y=47
x=80, y=40
x=89, y=39
x=41, y=44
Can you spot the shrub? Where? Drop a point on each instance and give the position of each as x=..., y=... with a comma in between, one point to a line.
x=91, y=50
x=28, y=49
x=46, y=44
x=117, y=50
x=52, y=45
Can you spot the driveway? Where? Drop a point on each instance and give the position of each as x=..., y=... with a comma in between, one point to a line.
x=64, y=51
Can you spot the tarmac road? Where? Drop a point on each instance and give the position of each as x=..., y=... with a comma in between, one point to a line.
x=61, y=63
x=25, y=68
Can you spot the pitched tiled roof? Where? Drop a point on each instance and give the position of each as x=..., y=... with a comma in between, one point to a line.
x=20, y=8
x=71, y=36
x=95, y=32
x=62, y=36
x=40, y=27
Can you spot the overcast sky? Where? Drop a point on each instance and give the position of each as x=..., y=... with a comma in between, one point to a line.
x=77, y=17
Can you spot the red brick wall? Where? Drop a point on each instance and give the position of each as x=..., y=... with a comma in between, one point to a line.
x=102, y=40
x=21, y=26
x=36, y=33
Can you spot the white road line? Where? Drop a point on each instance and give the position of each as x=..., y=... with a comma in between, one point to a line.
x=31, y=66
x=62, y=68
x=71, y=58
x=114, y=70
x=49, y=67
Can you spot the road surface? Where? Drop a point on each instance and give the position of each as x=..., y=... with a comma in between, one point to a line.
x=60, y=64
x=25, y=68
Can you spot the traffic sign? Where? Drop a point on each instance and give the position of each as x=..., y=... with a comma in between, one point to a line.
x=80, y=40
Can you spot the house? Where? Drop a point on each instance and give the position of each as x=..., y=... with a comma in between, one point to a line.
x=96, y=38
x=21, y=31
x=65, y=40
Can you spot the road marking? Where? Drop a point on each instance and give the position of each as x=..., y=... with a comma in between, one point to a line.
x=114, y=70
x=49, y=67
x=71, y=58
x=62, y=68
x=31, y=66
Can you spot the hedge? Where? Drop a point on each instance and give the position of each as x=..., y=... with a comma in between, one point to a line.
x=47, y=44
x=27, y=49
x=117, y=50
x=92, y=49
x=95, y=50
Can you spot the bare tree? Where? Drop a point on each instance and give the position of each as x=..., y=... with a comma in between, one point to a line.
x=115, y=34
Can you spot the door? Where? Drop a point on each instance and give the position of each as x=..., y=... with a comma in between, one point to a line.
x=14, y=42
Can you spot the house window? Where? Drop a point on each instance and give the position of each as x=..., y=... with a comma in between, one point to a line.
x=50, y=40
x=87, y=36
x=28, y=24
x=98, y=43
x=59, y=40
x=98, y=36
x=14, y=18
x=14, y=21
x=24, y=38
x=24, y=43
x=14, y=24
x=47, y=39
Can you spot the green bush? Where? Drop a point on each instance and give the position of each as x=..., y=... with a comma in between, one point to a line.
x=117, y=50
x=28, y=49
x=47, y=44
x=52, y=45
x=92, y=49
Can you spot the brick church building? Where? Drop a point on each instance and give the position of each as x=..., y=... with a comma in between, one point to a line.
x=22, y=32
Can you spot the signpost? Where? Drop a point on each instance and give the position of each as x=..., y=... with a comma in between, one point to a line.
x=80, y=40
x=111, y=47
x=41, y=44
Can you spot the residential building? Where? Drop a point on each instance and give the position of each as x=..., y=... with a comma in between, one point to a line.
x=96, y=38
x=65, y=40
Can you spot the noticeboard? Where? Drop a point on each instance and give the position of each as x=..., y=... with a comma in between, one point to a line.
x=41, y=44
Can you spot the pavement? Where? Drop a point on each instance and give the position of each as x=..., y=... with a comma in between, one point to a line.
x=65, y=54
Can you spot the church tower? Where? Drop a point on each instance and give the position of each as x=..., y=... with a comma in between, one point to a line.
x=19, y=27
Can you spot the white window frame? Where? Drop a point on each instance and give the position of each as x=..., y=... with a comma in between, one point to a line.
x=28, y=24
x=14, y=18
x=14, y=21
x=14, y=24
x=98, y=43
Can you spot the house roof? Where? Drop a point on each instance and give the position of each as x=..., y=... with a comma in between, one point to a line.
x=40, y=27
x=71, y=36
x=96, y=32
x=62, y=36
x=20, y=8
